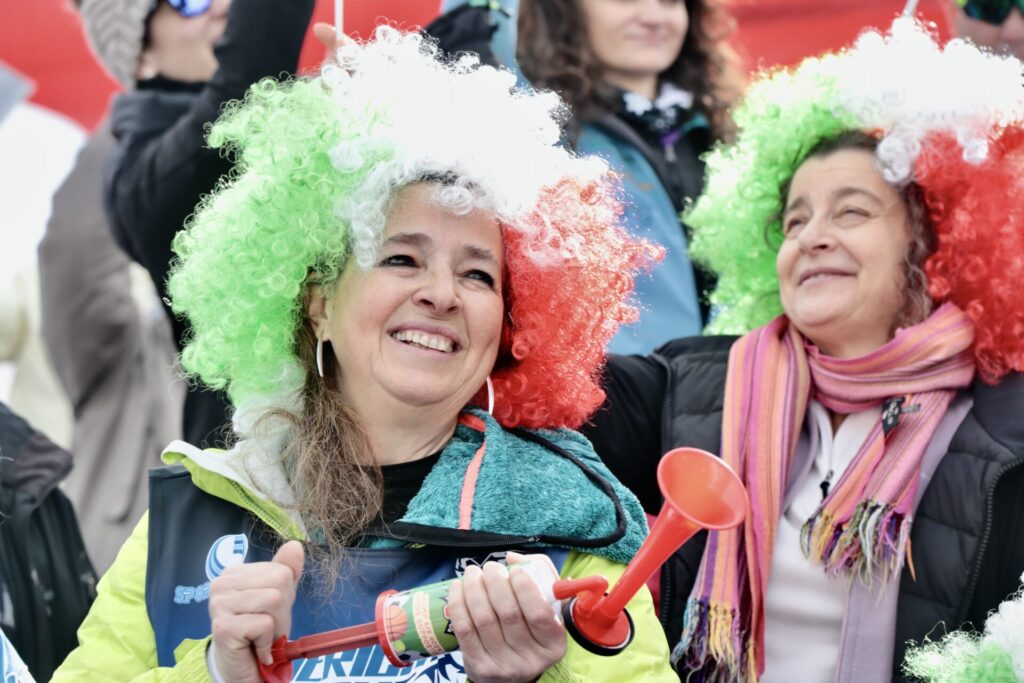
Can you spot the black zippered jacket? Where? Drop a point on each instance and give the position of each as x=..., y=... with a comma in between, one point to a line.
x=968, y=532
x=162, y=166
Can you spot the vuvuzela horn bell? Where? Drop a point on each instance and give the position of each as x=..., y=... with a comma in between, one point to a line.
x=701, y=492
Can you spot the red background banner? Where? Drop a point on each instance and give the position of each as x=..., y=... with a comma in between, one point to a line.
x=43, y=40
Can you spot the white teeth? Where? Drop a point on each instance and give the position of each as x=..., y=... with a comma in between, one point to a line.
x=428, y=341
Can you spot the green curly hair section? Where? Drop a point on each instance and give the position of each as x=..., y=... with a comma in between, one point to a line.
x=736, y=222
x=960, y=658
x=248, y=252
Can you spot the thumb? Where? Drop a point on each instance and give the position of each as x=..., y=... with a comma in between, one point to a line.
x=291, y=555
x=324, y=32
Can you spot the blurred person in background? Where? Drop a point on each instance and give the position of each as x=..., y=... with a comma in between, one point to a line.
x=649, y=83
x=182, y=60
x=112, y=348
x=38, y=148
x=47, y=583
x=995, y=24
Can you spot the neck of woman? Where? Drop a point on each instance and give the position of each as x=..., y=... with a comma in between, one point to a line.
x=404, y=436
x=641, y=84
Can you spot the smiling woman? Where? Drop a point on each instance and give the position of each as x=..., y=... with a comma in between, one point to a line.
x=863, y=224
x=416, y=335
x=404, y=244
x=847, y=235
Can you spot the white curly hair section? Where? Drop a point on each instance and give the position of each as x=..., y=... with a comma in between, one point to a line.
x=1005, y=628
x=419, y=117
x=906, y=85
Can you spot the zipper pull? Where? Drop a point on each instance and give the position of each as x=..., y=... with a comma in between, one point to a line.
x=670, y=153
x=825, y=483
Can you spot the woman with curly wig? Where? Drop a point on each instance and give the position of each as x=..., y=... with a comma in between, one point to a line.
x=865, y=228
x=408, y=314
x=649, y=83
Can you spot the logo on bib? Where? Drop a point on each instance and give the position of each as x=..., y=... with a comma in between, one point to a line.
x=225, y=552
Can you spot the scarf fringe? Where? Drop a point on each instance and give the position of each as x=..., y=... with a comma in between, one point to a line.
x=870, y=545
x=713, y=647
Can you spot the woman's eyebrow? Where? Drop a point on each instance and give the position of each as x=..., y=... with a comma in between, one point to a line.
x=480, y=253
x=849, y=191
x=797, y=203
x=416, y=239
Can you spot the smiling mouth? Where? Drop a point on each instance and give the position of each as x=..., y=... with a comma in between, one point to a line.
x=822, y=276
x=423, y=340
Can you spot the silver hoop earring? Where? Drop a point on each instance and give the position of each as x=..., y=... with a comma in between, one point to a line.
x=490, y=396
x=320, y=357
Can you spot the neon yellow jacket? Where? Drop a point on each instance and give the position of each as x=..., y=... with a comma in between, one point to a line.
x=117, y=642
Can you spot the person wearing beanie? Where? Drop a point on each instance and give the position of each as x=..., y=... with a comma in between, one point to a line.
x=865, y=230
x=180, y=61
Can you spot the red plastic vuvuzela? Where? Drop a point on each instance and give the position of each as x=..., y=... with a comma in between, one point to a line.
x=701, y=492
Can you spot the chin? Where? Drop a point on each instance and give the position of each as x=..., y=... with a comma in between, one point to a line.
x=813, y=323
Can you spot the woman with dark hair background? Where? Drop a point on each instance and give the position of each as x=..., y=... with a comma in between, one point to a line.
x=649, y=83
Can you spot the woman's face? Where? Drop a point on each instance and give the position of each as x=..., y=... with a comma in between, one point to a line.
x=635, y=38
x=840, y=265
x=422, y=326
x=181, y=48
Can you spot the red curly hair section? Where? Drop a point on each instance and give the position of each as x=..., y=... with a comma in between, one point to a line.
x=563, y=311
x=976, y=213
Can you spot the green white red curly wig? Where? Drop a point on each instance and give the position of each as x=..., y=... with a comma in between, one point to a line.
x=949, y=118
x=318, y=163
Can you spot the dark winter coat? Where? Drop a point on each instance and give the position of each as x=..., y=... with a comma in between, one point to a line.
x=162, y=166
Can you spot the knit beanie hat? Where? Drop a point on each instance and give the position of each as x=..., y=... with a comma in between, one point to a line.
x=115, y=30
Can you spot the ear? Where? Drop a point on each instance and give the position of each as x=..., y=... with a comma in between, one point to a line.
x=317, y=311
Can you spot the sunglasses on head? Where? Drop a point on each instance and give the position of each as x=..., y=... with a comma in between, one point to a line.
x=990, y=11
x=186, y=8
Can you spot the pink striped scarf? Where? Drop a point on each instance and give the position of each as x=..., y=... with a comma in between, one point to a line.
x=862, y=528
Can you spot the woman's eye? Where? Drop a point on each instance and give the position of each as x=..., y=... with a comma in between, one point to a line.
x=398, y=260
x=792, y=224
x=482, y=276
x=852, y=213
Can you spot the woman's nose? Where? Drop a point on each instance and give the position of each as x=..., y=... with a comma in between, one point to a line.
x=816, y=235
x=438, y=293
x=650, y=11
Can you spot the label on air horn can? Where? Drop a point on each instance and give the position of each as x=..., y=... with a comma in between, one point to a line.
x=414, y=624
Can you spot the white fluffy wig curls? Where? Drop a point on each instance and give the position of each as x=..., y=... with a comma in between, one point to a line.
x=906, y=85
x=461, y=120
